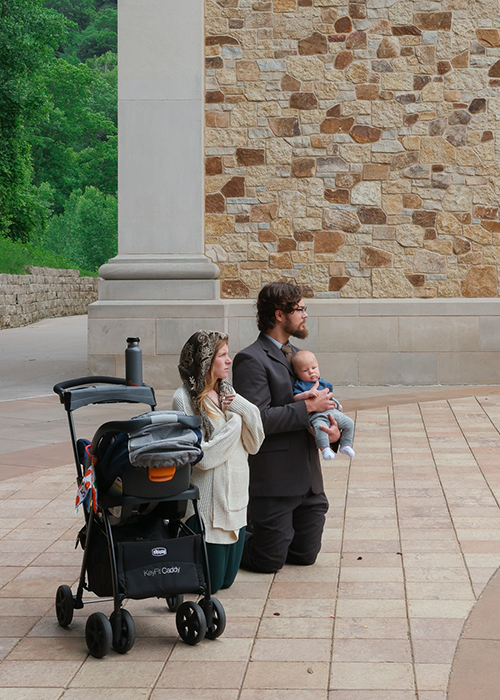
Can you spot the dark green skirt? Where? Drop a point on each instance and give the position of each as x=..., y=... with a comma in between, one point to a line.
x=223, y=559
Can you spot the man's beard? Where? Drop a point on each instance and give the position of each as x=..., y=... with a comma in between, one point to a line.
x=300, y=333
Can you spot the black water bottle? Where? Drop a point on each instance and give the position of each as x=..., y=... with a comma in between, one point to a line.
x=133, y=362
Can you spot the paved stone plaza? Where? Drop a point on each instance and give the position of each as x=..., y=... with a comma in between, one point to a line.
x=412, y=539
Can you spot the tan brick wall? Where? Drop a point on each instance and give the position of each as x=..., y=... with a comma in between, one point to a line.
x=352, y=147
x=44, y=293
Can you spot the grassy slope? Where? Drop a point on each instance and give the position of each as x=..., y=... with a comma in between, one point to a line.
x=16, y=258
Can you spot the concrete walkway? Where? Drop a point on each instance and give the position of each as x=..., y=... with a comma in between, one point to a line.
x=404, y=575
x=33, y=358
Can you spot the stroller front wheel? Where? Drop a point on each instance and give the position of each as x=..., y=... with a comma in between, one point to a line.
x=174, y=602
x=124, y=638
x=191, y=623
x=218, y=625
x=64, y=606
x=98, y=635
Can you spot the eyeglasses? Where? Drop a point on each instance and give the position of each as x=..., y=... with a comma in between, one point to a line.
x=301, y=309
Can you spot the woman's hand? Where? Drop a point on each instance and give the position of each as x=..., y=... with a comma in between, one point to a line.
x=226, y=401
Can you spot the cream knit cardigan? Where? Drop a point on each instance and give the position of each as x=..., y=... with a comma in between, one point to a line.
x=222, y=475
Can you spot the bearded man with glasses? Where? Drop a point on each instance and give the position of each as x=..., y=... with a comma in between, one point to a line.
x=287, y=504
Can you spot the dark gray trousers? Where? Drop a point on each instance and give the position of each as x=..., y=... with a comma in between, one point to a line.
x=283, y=530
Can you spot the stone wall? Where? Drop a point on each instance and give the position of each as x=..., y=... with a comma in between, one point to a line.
x=352, y=147
x=44, y=293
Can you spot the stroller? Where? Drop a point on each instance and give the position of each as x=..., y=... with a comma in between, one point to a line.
x=135, y=542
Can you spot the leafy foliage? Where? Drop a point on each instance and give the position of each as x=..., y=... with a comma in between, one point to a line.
x=29, y=33
x=71, y=148
x=58, y=126
x=105, y=89
x=86, y=232
x=16, y=258
x=99, y=37
x=94, y=32
x=81, y=12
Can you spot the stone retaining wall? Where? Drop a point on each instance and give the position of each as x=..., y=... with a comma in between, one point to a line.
x=44, y=293
x=352, y=146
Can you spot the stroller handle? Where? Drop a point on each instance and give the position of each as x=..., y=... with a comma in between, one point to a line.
x=75, y=393
x=130, y=426
x=61, y=387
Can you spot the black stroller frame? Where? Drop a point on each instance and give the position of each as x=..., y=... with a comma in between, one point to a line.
x=194, y=621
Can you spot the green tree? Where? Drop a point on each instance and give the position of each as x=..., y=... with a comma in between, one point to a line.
x=99, y=37
x=94, y=32
x=29, y=33
x=105, y=91
x=86, y=233
x=76, y=145
x=81, y=12
x=103, y=4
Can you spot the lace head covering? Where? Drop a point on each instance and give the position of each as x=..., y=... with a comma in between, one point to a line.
x=195, y=360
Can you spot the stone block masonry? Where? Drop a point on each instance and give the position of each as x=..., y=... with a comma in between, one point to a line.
x=44, y=293
x=352, y=147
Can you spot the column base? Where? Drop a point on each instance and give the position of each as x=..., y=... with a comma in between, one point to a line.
x=162, y=299
x=158, y=277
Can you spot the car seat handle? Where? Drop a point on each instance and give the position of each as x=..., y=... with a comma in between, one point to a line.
x=135, y=424
x=167, y=417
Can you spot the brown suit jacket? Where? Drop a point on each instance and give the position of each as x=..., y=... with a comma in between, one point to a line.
x=287, y=464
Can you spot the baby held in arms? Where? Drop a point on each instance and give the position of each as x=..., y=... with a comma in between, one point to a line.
x=307, y=385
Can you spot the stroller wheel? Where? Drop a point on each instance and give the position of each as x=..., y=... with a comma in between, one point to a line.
x=124, y=640
x=218, y=625
x=64, y=605
x=174, y=602
x=191, y=623
x=98, y=635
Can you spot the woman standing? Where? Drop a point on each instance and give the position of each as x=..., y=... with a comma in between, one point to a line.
x=232, y=429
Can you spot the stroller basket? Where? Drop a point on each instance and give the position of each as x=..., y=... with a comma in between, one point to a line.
x=147, y=567
x=135, y=480
x=160, y=568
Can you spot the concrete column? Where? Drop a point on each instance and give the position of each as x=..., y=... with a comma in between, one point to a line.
x=160, y=173
x=160, y=257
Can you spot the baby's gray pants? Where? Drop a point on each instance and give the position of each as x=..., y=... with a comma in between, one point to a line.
x=346, y=426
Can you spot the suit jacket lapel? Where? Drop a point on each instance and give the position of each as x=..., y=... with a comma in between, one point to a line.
x=274, y=352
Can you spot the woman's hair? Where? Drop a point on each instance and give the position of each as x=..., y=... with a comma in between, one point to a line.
x=195, y=369
x=210, y=382
x=273, y=296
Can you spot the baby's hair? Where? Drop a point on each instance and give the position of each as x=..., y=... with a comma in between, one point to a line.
x=298, y=355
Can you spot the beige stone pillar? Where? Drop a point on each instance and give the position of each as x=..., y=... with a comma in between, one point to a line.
x=160, y=271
